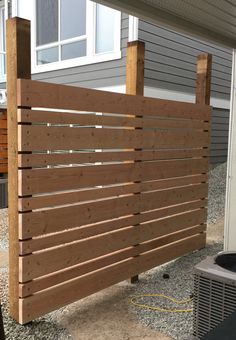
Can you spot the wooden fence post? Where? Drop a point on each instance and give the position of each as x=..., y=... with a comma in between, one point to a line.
x=203, y=82
x=135, y=79
x=18, y=66
x=135, y=68
x=3, y=141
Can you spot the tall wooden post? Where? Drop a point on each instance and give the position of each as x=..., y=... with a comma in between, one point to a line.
x=203, y=82
x=135, y=68
x=135, y=79
x=18, y=66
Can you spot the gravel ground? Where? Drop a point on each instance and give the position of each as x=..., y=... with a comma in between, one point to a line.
x=3, y=229
x=179, y=286
x=217, y=186
x=45, y=328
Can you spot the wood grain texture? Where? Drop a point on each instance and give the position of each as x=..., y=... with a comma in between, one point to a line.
x=41, y=243
x=135, y=68
x=71, y=197
x=52, y=260
x=55, y=220
x=31, y=287
x=3, y=143
x=89, y=219
x=91, y=119
x=39, y=138
x=38, y=181
x=18, y=66
x=44, y=95
x=80, y=287
x=45, y=159
x=203, y=82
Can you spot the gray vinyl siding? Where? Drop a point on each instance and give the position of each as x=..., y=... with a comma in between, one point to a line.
x=170, y=63
x=219, y=135
x=103, y=74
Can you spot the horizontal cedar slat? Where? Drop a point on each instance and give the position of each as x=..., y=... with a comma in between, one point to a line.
x=42, y=160
x=3, y=161
x=3, y=138
x=37, y=116
x=31, y=287
x=41, y=243
x=4, y=169
x=3, y=116
x=33, y=93
x=32, y=138
x=55, y=220
x=48, y=180
x=43, y=201
x=3, y=123
x=52, y=260
x=78, y=288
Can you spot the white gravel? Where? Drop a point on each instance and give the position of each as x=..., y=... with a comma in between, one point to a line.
x=216, y=196
x=3, y=229
x=178, y=286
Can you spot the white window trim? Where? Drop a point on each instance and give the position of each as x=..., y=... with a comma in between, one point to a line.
x=133, y=28
x=2, y=77
x=91, y=57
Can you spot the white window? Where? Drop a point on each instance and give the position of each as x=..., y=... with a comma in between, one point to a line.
x=74, y=32
x=2, y=44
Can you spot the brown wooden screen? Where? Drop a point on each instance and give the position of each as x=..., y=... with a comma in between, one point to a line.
x=3, y=142
x=89, y=216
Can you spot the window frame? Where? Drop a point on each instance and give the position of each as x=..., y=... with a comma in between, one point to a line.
x=2, y=31
x=91, y=57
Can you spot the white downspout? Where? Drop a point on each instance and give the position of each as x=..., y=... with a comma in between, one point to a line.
x=230, y=204
x=133, y=28
x=14, y=8
x=6, y=9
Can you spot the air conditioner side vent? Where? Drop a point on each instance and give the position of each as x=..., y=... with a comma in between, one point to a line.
x=214, y=297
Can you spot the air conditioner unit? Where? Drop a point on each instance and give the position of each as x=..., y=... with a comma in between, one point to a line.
x=3, y=193
x=3, y=97
x=214, y=292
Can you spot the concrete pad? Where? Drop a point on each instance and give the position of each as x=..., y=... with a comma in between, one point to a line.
x=106, y=316
x=3, y=258
x=215, y=232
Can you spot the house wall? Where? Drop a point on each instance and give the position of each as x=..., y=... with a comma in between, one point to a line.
x=219, y=135
x=97, y=75
x=170, y=72
x=170, y=65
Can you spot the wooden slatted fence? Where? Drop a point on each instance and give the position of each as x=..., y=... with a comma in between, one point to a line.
x=94, y=206
x=3, y=142
x=78, y=207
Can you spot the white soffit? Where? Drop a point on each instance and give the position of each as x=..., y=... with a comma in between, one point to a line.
x=212, y=20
